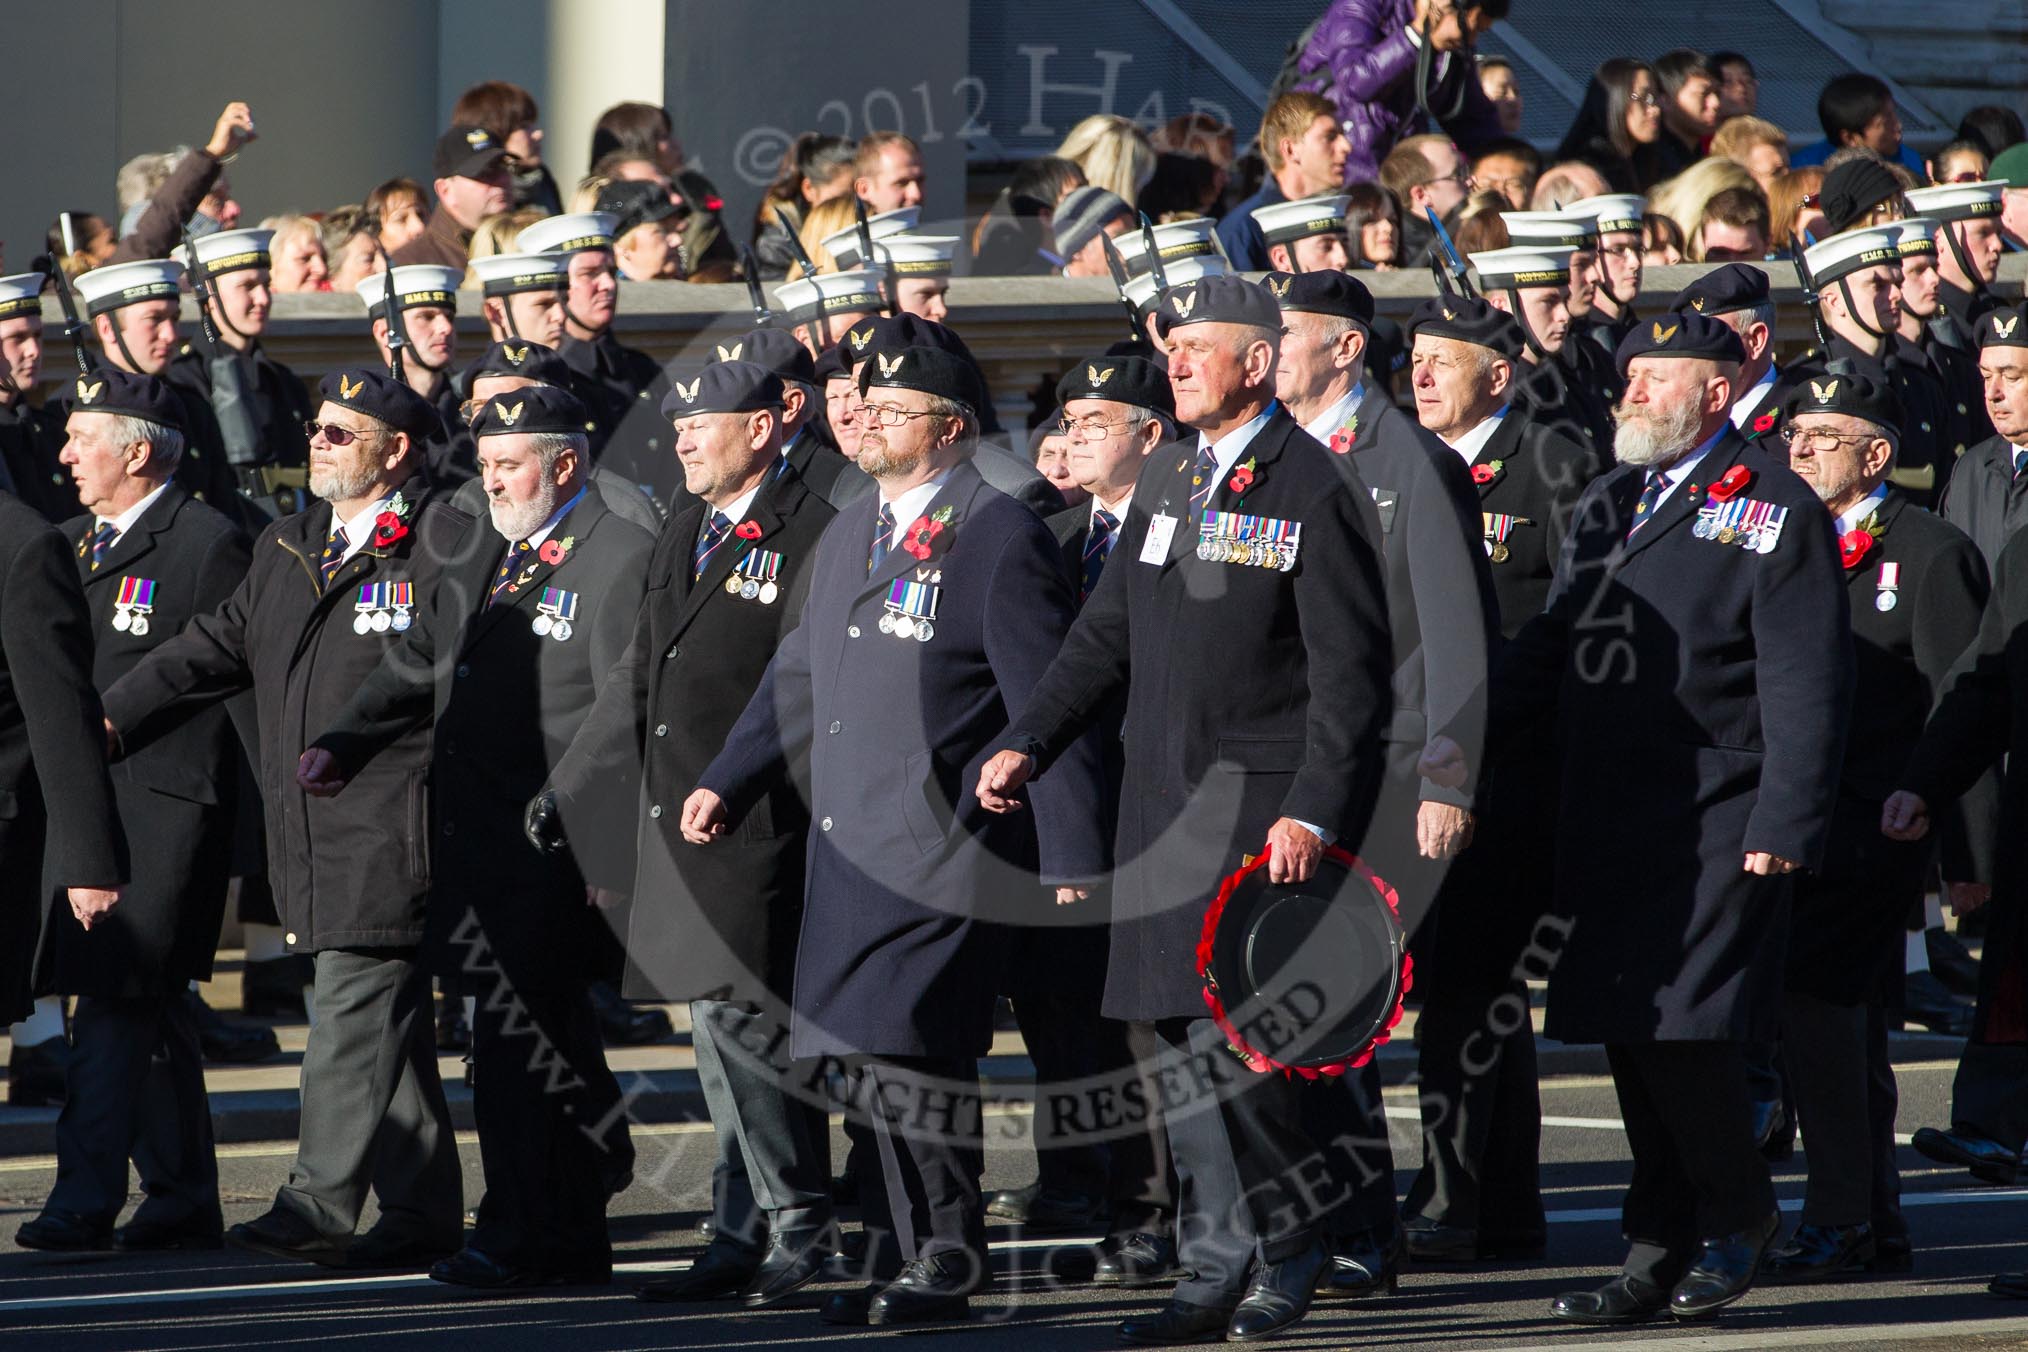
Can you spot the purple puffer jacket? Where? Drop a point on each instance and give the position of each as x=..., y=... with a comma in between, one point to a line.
x=1364, y=44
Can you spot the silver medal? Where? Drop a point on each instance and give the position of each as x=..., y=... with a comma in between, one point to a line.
x=924, y=631
x=768, y=593
x=541, y=624
x=401, y=621
x=749, y=590
x=560, y=630
x=1884, y=602
x=382, y=621
x=905, y=627
x=887, y=622
x=362, y=623
x=121, y=619
x=139, y=626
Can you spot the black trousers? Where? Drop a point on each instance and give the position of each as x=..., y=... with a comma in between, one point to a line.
x=537, y=1100
x=1697, y=1174
x=929, y=1134
x=1142, y=1187
x=1347, y=1123
x=1989, y=1096
x=134, y=1089
x=1834, y=1067
x=1056, y=1004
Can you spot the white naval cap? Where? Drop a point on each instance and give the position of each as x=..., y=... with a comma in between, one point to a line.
x=109, y=288
x=568, y=233
x=1174, y=241
x=1915, y=235
x=21, y=295
x=1143, y=292
x=1853, y=251
x=230, y=250
x=917, y=255
x=415, y=285
x=1564, y=229
x=843, y=245
x=1613, y=211
x=1958, y=201
x=829, y=293
x=1287, y=222
x=1525, y=265
x=507, y=274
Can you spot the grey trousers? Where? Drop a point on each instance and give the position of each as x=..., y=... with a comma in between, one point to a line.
x=135, y=1089
x=776, y=1144
x=374, y=1113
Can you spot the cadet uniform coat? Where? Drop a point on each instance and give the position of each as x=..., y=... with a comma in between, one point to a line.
x=1700, y=693
x=177, y=797
x=910, y=878
x=717, y=923
x=507, y=703
x=1252, y=694
x=350, y=871
x=57, y=817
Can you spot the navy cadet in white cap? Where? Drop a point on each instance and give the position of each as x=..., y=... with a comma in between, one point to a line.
x=1307, y=235
x=426, y=296
x=1968, y=253
x=818, y=310
x=30, y=436
x=1618, y=217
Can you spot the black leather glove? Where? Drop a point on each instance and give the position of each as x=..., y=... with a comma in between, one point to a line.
x=542, y=823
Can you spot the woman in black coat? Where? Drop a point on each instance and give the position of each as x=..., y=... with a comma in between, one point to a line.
x=1618, y=130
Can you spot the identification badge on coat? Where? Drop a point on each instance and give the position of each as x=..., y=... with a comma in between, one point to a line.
x=754, y=578
x=554, y=614
x=1750, y=524
x=1250, y=541
x=1499, y=526
x=1161, y=530
x=1888, y=595
x=136, y=602
x=910, y=609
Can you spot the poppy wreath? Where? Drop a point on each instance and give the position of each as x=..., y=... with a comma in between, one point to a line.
x=1259, y=1061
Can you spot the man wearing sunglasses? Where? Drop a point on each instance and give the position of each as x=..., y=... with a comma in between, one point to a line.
x=330, y=591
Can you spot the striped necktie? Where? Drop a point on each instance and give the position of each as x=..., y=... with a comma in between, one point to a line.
x=102, y=542
x=510, y=562
x=715, y=531
x=1097, y=544
x=1651, y=498
x=883, y=539
x=333, y=557
x=1204, y=484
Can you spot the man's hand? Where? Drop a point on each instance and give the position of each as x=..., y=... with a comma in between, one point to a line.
x=1904, y=816
x=1967, y=897
x=235, y=128
x=542, y=823
x=1441, y=830
x=319, y=773
x=704, y=818
x=1766, y=865
x=90, y=903
x=1070, y=896
x=1442, y=763
x=1293, y=852
x=1000, y=777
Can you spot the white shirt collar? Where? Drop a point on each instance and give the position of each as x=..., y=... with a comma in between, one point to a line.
x=1865, y=507
x=1683, y=468
x=124, y=522
x=1117, y=510
x=359, y=529
x=915, y=501
x=1335, y=417
x=1236, y=441
x=736, y=510
x=556, y=517
x=1469, y=444
x=1743, y=407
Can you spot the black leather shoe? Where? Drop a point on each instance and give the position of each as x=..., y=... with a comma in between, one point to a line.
x=722, y=1271
x=1363, y=1266
x=453, y=1033
x=1819, y=1253
x=1177, y=1322
x=1989, y=1160
x=273, y=987
x=229, y=1043
x=1773, y=1136
x=1042, y=1209
x=848, y=1307
x=1278, y=1295
x=624, y=1025
x=1135, y=1260
x=1892, y=1254
x=1426, y=1241
x=64, y=1232
x=35, y=1074
x=2012, y=1285
x=1928, y=1002
x=379, y=1251
x=1623, y=1300
x=469, y=1267
x=284, y=1234
x=143, y=1235
x=1724, y=1272
x=791, y=1263
x=1951, y=962
x=929, y=1290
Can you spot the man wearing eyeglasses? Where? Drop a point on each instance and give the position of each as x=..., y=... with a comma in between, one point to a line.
x=332, y=589
x=1916, y=586
x=1427, y=173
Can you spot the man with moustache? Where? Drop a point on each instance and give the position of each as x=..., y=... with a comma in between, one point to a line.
x=331, y=590
x=1696, y=656
x=807, y=444
x=508, y=652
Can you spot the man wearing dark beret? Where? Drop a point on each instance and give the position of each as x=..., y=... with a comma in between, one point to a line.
x=329, y=592
x=150, y=557
x=1696, y=657
x=1274, y=659
x=933, y=609
x=717, y=928
x=1916, y=586
x=1443, y=616
x=807, y=441
x=1990, y=503
x=1478, y=1194
x=508, y=650
x=1737, y=295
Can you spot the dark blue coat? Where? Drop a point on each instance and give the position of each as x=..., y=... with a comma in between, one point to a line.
x=1701, y=692
x=910, y=879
